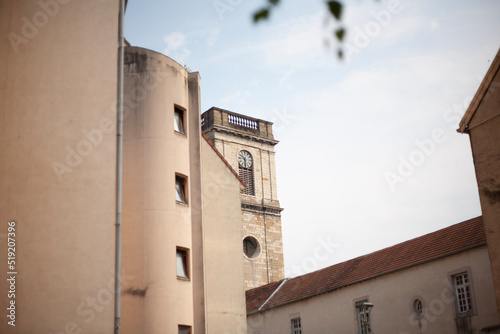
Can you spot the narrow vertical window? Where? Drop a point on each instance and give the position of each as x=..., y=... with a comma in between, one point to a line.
x=180, y=189
x=296, y=326
x=179, y=120
x=182, y=260
x=363, y=309
x=463, y=294
x=245, y=166
x=184, y=329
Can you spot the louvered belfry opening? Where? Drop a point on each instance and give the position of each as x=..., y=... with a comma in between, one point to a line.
x=246, y=174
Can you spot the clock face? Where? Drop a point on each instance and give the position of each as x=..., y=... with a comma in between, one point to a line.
x=245, y=159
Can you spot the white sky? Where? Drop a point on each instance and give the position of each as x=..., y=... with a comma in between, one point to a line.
x=343, y=126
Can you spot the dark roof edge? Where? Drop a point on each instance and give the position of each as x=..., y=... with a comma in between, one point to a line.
x=369, y=278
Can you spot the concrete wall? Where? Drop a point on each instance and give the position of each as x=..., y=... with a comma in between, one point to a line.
x=197, y=251
x=58, y=74
x=154, y=223
x=484, y=131
x=225, y=291
x=393, y=296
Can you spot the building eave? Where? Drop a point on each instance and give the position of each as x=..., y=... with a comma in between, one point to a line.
x=452, y=240
x=480, y=93
x=335, y=288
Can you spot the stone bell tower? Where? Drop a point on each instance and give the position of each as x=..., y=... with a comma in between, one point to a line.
x=248, y=146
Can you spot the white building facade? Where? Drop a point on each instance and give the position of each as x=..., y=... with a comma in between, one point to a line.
x=438, y=283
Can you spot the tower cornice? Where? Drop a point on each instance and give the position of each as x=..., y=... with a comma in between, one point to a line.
x=240, y=134
x=259, y=208
x=225, y=121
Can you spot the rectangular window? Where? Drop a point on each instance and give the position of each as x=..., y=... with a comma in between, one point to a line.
x=182, y=260
x=180, y=189
x=184, y=329
x=179, y=120
x=463, y=293
x=363, y=309
x=296, y=326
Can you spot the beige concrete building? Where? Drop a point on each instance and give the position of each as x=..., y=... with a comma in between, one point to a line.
x=438, y=283
x=201, y=218
x=181, y=245
x=248, y=146
x=58, y=83
x=482, y=123
x=182, y=266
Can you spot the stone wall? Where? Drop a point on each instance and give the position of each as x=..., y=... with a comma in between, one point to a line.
x=482, y=122
x=230, y=133
x=485, y=138
x=268, y=266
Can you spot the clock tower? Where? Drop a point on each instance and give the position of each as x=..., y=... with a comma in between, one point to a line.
x=247, y=144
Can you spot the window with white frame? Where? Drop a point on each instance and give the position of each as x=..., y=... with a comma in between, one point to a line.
x=363, y=309
x=296, y=326
x=463, y=293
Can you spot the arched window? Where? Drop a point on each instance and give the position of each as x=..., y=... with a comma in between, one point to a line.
x=418, y=308
x=245, y=167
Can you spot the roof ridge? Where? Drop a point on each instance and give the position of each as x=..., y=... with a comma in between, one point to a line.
x=367, y=278
x=400, y=243
x=433, y=246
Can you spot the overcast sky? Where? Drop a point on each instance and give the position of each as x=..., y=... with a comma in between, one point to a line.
x=369, y=155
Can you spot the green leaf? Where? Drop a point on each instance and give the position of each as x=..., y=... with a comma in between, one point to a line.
x=340, y=34
x=335, y=8
x=274, y=2
x=262, y=14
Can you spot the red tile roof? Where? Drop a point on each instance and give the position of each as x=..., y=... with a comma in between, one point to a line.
x=433, y=246
x=223, y=159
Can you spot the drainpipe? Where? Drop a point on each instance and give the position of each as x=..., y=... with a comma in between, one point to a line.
x=264, y=214
x=119, y=169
